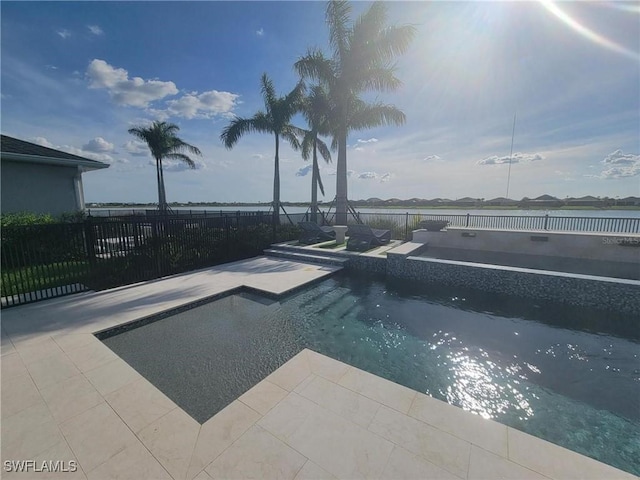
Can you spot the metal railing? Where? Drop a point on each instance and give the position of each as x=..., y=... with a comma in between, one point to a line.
x=402, y=224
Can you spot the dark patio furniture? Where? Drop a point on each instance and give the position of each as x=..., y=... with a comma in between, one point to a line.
x=363, y=237
x=313, y=233
x=433, y=225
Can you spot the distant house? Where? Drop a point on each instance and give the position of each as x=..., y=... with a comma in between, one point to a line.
x=500, y=202
x=40, y=179
x=586, y=201
x=466, y=202
x=629, y=202
x=544, y=201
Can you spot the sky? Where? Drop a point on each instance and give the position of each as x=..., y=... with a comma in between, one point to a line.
x=77, y=75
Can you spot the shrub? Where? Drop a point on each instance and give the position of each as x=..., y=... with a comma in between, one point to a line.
x=25, y=218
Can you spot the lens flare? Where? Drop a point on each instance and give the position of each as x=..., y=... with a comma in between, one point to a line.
x=586, y=32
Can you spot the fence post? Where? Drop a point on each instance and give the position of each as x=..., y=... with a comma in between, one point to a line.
x=467, y=220
x=546, y=221
x=273, y=229
x=406, y=227
x=227, y=231
x=90, y=241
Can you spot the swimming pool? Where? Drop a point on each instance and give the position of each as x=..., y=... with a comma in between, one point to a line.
x=568, y=375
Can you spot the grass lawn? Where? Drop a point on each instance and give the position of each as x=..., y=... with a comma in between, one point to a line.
x=40, y=277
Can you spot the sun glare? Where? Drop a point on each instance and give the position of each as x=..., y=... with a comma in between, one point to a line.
x=586, y=32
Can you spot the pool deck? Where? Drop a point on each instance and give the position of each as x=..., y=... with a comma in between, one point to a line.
x=66, y=396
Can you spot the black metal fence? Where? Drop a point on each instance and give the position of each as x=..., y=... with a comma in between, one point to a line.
x=46, y=261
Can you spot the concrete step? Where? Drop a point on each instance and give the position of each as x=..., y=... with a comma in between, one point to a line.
x=319, y=252
x=304, y=257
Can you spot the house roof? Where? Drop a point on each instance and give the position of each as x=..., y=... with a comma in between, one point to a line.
x=545, y=197
x=586, y=198
x=20, y=151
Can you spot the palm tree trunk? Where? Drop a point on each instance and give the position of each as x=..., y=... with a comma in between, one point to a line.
x=159, y=181
x=314, y=183
x=163, y=193
x=341, y=180
x=276, y=185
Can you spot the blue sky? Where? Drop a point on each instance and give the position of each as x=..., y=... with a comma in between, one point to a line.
x=76, y=76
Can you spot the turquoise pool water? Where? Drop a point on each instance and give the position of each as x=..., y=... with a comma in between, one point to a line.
x=567, y=375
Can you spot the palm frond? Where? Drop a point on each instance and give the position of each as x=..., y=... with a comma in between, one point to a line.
x=382, y=79
x=290, y=134
x=374, y=115
x=240, y=126
x=180, y=145
x=316, y=66
x=323, y=149
x=393, y=41
x=268, y=91
x=306, y=146
x=292, y=102
x=337, y=18
x=183, y=158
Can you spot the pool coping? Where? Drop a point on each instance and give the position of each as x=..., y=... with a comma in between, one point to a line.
x=74, y=399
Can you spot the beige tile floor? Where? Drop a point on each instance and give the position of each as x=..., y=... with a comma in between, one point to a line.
x=65, y=396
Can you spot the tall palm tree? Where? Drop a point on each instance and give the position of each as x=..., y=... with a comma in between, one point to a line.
x=163, y=142
x=316, y=110
x=274, y=120
x=361, y=61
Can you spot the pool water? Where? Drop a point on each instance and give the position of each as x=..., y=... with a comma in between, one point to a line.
x=568, y=375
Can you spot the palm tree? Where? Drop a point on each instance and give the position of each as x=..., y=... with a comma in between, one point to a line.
x=361, y=61
x=161, y=139
x=316, y=110
x=274, y=120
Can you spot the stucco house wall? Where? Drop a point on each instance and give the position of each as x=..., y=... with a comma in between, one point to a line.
x=40, y=179
x=29, y=187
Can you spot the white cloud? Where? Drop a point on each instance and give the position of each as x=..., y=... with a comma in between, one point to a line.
x=360, y=144
x=203, y=105
x=136, y=148
x=51, y=67
x=382, y=177
x=95, y=29
x=430, y=158
x=98, y=145
x=304, y=171
x=620, y=165
x=64, y=33
x=260, y=32
x=257, y=156
x=43, y=142
x=619, y=158
x=621, y=172
x=350, y=173
x=124, y=90
x=178, y=166
x=93, y=155
x=516, y=158
x=368, y=175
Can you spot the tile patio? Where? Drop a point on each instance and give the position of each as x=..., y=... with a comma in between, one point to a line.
x=66, y=396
